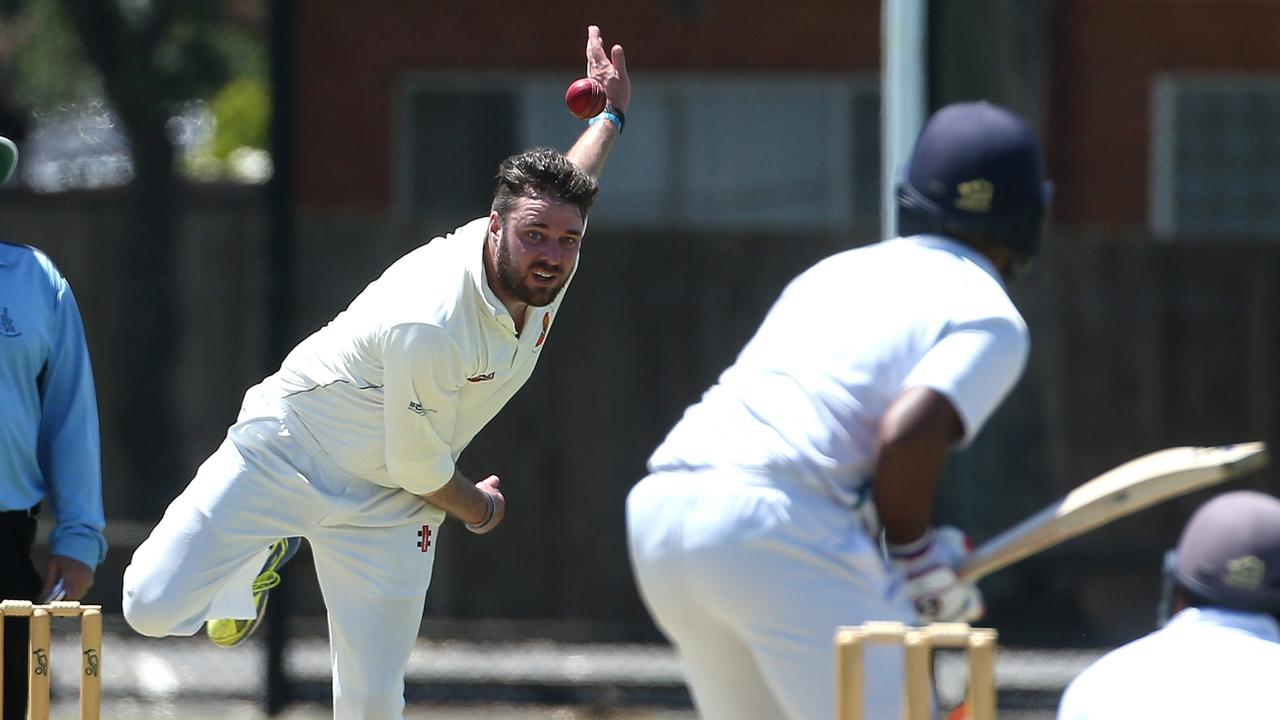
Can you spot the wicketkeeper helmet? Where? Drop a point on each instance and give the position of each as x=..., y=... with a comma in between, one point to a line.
x=1229, y=553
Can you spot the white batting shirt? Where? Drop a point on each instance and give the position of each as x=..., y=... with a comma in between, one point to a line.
x=397, y=385
x=845, y=338
x=1204, y=663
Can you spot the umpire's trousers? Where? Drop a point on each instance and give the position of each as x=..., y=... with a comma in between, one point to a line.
x=18, y=581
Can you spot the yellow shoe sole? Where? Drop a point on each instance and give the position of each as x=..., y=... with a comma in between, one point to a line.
x=229, y=632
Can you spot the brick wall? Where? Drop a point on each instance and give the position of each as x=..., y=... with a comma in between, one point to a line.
x=349, y=61
x=1104, y=56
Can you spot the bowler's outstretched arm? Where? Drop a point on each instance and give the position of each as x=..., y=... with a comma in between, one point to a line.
x=610, y=70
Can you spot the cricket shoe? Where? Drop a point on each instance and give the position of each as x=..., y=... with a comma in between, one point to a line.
x=229, y=632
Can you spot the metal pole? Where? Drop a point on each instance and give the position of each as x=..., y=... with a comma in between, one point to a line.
x=279, y=298
x=903, y=93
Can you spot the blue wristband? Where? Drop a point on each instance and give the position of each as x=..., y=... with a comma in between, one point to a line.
x=612, y=114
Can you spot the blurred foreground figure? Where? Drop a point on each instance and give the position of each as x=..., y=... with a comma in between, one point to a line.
x=49, y=446
x=1219, y=655
x=757, y=532
x=352, y=444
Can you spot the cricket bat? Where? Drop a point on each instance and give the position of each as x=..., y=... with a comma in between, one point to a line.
x=1137, y=484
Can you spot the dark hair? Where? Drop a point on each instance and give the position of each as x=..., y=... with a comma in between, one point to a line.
x=543, y=171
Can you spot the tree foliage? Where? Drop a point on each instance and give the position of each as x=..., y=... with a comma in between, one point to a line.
x=142, y=57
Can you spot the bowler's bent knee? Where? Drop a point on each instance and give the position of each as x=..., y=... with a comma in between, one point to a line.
x=149, y=610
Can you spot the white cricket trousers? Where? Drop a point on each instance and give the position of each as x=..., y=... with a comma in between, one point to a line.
x=749, y=580
x=265, y=483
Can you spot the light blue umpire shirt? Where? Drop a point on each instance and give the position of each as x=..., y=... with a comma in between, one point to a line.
x=49, y=446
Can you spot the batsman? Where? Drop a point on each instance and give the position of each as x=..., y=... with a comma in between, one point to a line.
x=353, y=443
x=757, y=530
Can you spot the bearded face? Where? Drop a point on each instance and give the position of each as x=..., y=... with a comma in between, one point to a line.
x=536, y=249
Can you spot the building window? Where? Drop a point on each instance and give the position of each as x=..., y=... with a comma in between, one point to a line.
x=705, y=153
x=1215, y=156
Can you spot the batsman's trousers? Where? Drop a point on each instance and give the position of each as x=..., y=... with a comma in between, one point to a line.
x=749, y=578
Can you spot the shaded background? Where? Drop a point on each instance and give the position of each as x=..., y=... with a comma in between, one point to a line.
x=218, y=179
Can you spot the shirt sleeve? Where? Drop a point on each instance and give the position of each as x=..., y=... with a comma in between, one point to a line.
x=974, y=365
x=68, y=448
x=422, y=377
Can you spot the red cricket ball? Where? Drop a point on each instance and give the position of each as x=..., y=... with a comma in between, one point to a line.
x=585, y=98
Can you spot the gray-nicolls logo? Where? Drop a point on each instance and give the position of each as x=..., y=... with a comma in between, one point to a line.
x=416, y=408
x=7, y=328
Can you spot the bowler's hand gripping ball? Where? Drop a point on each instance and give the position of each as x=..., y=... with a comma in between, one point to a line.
x=585, y=98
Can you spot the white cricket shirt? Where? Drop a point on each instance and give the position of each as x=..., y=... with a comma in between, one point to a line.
x=1204, y=663
x=845, y=338
x=397, y=385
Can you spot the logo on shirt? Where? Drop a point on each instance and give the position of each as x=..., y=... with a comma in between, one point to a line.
x=7, y=328
x=424, y=538
x=417, y=409
x=546, y=325
x=481, y=378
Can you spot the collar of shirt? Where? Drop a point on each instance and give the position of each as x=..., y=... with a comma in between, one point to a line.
x=488, y=298
x=965, y=251
x=1258, y=624
x=8, y=254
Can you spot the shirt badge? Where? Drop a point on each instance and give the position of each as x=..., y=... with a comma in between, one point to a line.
x=546, y=324
x=8, y=329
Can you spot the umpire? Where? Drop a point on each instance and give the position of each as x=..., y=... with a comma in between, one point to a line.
x=48, y=444
x=1219, y=655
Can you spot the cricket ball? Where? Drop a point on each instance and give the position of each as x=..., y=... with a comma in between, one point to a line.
x=585, y=98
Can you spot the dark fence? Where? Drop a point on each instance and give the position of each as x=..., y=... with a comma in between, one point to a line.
x=1137, y=345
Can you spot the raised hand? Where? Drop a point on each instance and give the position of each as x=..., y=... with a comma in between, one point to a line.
x=609, y=69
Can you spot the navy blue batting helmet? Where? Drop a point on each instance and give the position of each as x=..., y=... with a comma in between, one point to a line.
x=976, y=170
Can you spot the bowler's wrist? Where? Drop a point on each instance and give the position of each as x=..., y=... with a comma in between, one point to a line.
x=491, y=512
x=613, y=115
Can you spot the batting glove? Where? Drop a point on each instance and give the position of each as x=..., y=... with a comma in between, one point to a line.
x=928, y=566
